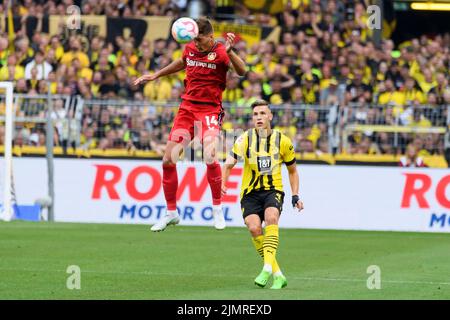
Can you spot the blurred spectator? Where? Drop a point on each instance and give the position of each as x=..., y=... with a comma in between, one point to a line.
x=12, y=71
x=411, y=159
x=87, y=139
x=75, y=52
x=323, y=56
x=43, y=68
x=332, y=95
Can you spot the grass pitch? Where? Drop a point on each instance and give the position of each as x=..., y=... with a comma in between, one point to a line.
x=130, y=262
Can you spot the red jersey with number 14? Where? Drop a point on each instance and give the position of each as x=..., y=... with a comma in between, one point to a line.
x=206, y=73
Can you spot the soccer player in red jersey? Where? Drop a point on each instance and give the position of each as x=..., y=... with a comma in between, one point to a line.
x=206, y=62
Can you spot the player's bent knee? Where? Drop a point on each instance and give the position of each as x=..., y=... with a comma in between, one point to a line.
x=172, y=153
x=210, y=161
x=253, y=224
x=168, y=162
x=255, y=230
x=168, y=159
x=271, y=216
x=209, y=153
x=210, y=157
x=271, y=222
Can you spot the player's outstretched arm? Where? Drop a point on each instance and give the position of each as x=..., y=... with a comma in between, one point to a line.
x=294, y=181
x=226, y=169
x=173, y=67
x=236, y=61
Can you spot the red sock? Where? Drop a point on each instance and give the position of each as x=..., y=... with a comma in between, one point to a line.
x=170, y=185
x=214, y=175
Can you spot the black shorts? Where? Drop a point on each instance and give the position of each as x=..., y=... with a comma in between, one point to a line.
x=256, y=202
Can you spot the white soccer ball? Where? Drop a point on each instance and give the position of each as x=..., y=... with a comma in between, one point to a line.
x=184, y=30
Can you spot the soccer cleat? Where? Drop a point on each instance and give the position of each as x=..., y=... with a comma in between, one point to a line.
x=279, y=282
x=262, y=279
x=219, y=219
x=171, y=218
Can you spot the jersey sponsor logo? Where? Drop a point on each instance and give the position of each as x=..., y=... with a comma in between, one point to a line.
x=211, y=56
x=191, y=54
x=195, y=63
x=264, y=164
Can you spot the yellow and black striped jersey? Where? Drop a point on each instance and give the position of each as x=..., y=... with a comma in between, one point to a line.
x=263, y=158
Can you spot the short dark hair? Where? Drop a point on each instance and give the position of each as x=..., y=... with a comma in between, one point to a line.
x=204, y=26
x=260, y=102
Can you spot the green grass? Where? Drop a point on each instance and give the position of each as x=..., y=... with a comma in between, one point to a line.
x=130, y=262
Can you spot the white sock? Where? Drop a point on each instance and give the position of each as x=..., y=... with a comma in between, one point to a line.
x=217, y=207
x=171, y=212
x=267, y=268
x=278, y=273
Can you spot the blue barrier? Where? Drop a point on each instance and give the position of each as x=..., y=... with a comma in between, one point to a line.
x=27, y=212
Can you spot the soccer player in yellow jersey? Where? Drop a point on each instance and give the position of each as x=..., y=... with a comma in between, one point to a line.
x=264, y=150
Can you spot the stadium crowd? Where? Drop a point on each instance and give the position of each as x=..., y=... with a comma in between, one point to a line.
x=324, y=57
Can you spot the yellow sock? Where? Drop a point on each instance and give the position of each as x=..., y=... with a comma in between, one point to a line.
x=258, y=243
x=270, y=244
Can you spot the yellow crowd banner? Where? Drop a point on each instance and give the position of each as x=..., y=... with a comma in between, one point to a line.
x=264, y=6
x=249, y=33
x=158, y=27
x=149, y=28
x=87, y=24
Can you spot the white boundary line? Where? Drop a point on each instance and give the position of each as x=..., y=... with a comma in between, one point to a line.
x=151, y=273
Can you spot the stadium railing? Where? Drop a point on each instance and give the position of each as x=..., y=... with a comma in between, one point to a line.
x=396, y=126
x=321, y=134
x=299, y=122
x=30, y=119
